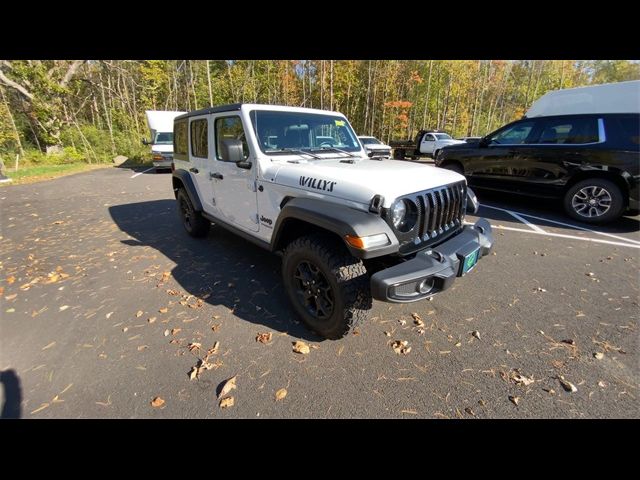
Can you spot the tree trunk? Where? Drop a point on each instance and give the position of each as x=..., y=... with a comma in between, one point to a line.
x=13, y=123
x=209, y=84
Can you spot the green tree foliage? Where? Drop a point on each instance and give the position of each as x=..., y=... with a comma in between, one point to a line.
x=95, y=109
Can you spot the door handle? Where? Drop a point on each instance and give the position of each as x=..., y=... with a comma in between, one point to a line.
x=216, y=175
x=194, y=170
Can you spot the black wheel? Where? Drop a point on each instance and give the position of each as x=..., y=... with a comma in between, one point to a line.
x=398, y=154
x=435, y=154
x=194, y=223
x=327, y=287
x=594, y=200
x=454, y=167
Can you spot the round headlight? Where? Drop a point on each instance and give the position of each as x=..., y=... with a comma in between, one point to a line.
x=398, y=211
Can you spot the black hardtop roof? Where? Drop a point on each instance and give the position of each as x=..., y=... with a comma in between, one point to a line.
x=203, y=111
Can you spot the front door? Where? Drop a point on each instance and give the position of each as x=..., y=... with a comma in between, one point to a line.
x=504, y=162
x=234, y=187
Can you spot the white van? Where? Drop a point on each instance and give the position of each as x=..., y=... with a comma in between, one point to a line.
x=160, y=124
x=621, y=97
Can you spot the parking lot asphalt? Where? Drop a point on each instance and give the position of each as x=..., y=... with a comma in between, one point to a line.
x=107, y=305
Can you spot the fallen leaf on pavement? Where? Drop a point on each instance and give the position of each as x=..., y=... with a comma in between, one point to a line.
x=280, y=394
x=194, y=346
x=568, y=386
x=301, y=347
x=175, y=330
x=569, y=342
x=470, y=412
x=108, y=315
x=63, y=308
x=227, y=386
x=417, y=320
x=157, y=402
x=264, y=337
x=521, y=379
x=11, y=297
x=163, y=310
x=476, y=334
x=216, y=327
x=49, y=346
x=598, y=355
x=514, y=400
x=151, y=319
x=388, y=334
x=139, y=313
x=227, y=402
x=166, y=333
x=11, y=279
x=400, y=347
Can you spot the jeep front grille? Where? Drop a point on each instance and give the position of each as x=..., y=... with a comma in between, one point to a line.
x=440, y=214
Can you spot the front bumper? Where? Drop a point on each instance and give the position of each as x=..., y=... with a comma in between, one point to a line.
x=164, y=163
x=431, y=270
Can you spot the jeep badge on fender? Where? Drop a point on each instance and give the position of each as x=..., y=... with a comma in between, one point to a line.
x=393, y=231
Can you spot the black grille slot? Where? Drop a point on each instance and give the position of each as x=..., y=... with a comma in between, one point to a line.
x=440, y=213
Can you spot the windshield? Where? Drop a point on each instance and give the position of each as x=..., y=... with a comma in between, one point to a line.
x=369, y=141
x=278, y=132
x=164, y=138
x=442, y=136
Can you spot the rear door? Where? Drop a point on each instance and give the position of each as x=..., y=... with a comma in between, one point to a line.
x=200, y=155
x=565, y=144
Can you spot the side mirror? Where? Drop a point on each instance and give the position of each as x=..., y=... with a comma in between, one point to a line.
x=484, y=142
x=231, y=151
x=145, y=141
x=473, y=205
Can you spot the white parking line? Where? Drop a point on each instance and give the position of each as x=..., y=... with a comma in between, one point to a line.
x=140, y=173
x=516, y=214
x=561, y=235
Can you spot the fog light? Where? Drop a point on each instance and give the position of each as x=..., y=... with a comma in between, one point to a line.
x=425, y=286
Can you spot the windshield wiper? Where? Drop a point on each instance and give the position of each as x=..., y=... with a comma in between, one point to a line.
x=294, y=150
x=336, y=150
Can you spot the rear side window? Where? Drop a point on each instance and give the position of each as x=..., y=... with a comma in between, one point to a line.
x=180, y=143
x=624, y=130
x=572, y=131
x=199, y=143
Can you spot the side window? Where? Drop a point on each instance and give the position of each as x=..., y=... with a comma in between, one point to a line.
x=180, y=142
x=429, y=138
x=569, y=131
x=625, y=130
x=230, y=128
x=514, y=135
x=199, y=140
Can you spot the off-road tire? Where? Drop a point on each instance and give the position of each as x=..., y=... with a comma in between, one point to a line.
x=617, y=203
x=346, y=276
x=398, y=154
x=193, y=222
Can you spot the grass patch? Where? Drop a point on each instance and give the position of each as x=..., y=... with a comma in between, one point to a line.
x=45, y=172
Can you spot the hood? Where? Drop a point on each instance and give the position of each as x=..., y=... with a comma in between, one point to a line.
x=361, y=180
x=450, y=142
x=377, y=146
x=463, y=145
x=162, y=148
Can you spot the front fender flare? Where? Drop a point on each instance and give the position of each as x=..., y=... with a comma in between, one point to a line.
x=338, y=219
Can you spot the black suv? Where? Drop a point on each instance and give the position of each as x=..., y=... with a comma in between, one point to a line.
x=590, y=161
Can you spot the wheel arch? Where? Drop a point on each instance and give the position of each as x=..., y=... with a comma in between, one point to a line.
x=182, y=179
x=301, y=216
x=618, y=177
